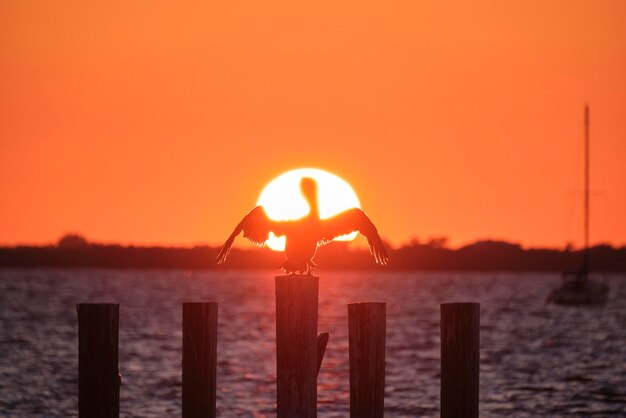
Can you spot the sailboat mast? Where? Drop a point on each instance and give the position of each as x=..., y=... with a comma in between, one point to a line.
x=586, y=261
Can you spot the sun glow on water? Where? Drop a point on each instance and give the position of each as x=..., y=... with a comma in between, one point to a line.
x=282, y=200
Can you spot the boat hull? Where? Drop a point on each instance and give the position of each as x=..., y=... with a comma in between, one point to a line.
x=580, y=292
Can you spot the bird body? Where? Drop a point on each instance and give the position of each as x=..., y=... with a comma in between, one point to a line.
x=305, y=235
x=301, y=245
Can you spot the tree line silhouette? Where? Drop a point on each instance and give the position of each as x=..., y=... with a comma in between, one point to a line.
x=73, y=251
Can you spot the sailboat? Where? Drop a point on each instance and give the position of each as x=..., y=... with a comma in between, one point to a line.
x=577, y=287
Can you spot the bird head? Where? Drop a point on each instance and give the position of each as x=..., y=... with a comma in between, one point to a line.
x=308, y=187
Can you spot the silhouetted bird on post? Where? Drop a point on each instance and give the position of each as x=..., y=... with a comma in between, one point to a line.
x=305, y=235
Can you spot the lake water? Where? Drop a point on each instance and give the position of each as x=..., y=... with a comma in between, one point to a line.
x=536, y=359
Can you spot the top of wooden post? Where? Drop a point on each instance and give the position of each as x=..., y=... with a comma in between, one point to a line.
x=363, y=304
x=192, y=303
x=97, y=305
x=460, y=304
x=297, y=276
x=297, y=281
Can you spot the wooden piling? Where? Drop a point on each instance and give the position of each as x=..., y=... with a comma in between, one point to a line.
x=98, y=374
x=296, y=346
x=199, y=359
x=367, y=332
x=459, y=359
x=322, y=342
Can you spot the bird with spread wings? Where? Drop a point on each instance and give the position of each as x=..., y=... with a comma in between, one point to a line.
x=305, y=235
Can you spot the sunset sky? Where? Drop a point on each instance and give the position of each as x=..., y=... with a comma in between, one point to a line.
x=152, y=122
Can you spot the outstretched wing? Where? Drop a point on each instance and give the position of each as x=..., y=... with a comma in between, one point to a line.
x=256, y=227
x=355, y=220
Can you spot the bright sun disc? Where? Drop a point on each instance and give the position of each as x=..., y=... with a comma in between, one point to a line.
x=283, y=201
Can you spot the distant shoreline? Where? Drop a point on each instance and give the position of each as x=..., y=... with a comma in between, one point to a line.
x=479, y=256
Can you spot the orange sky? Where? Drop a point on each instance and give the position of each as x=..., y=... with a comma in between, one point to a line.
x=155, y=122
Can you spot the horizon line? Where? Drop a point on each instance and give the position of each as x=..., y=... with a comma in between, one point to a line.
x=440, y=241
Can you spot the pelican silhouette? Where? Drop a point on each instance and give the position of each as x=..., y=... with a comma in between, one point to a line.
x=305, y=235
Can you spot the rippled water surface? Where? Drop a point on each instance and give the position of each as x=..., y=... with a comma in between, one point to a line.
x=536, y=359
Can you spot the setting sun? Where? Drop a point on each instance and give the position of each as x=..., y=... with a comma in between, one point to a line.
x=282, y=200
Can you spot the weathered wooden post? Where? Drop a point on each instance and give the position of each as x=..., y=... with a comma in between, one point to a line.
x=322, y=342
x=296, y=346
x=199, y=359
x=459, y=359
x=366, y=340
x=98, y=375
